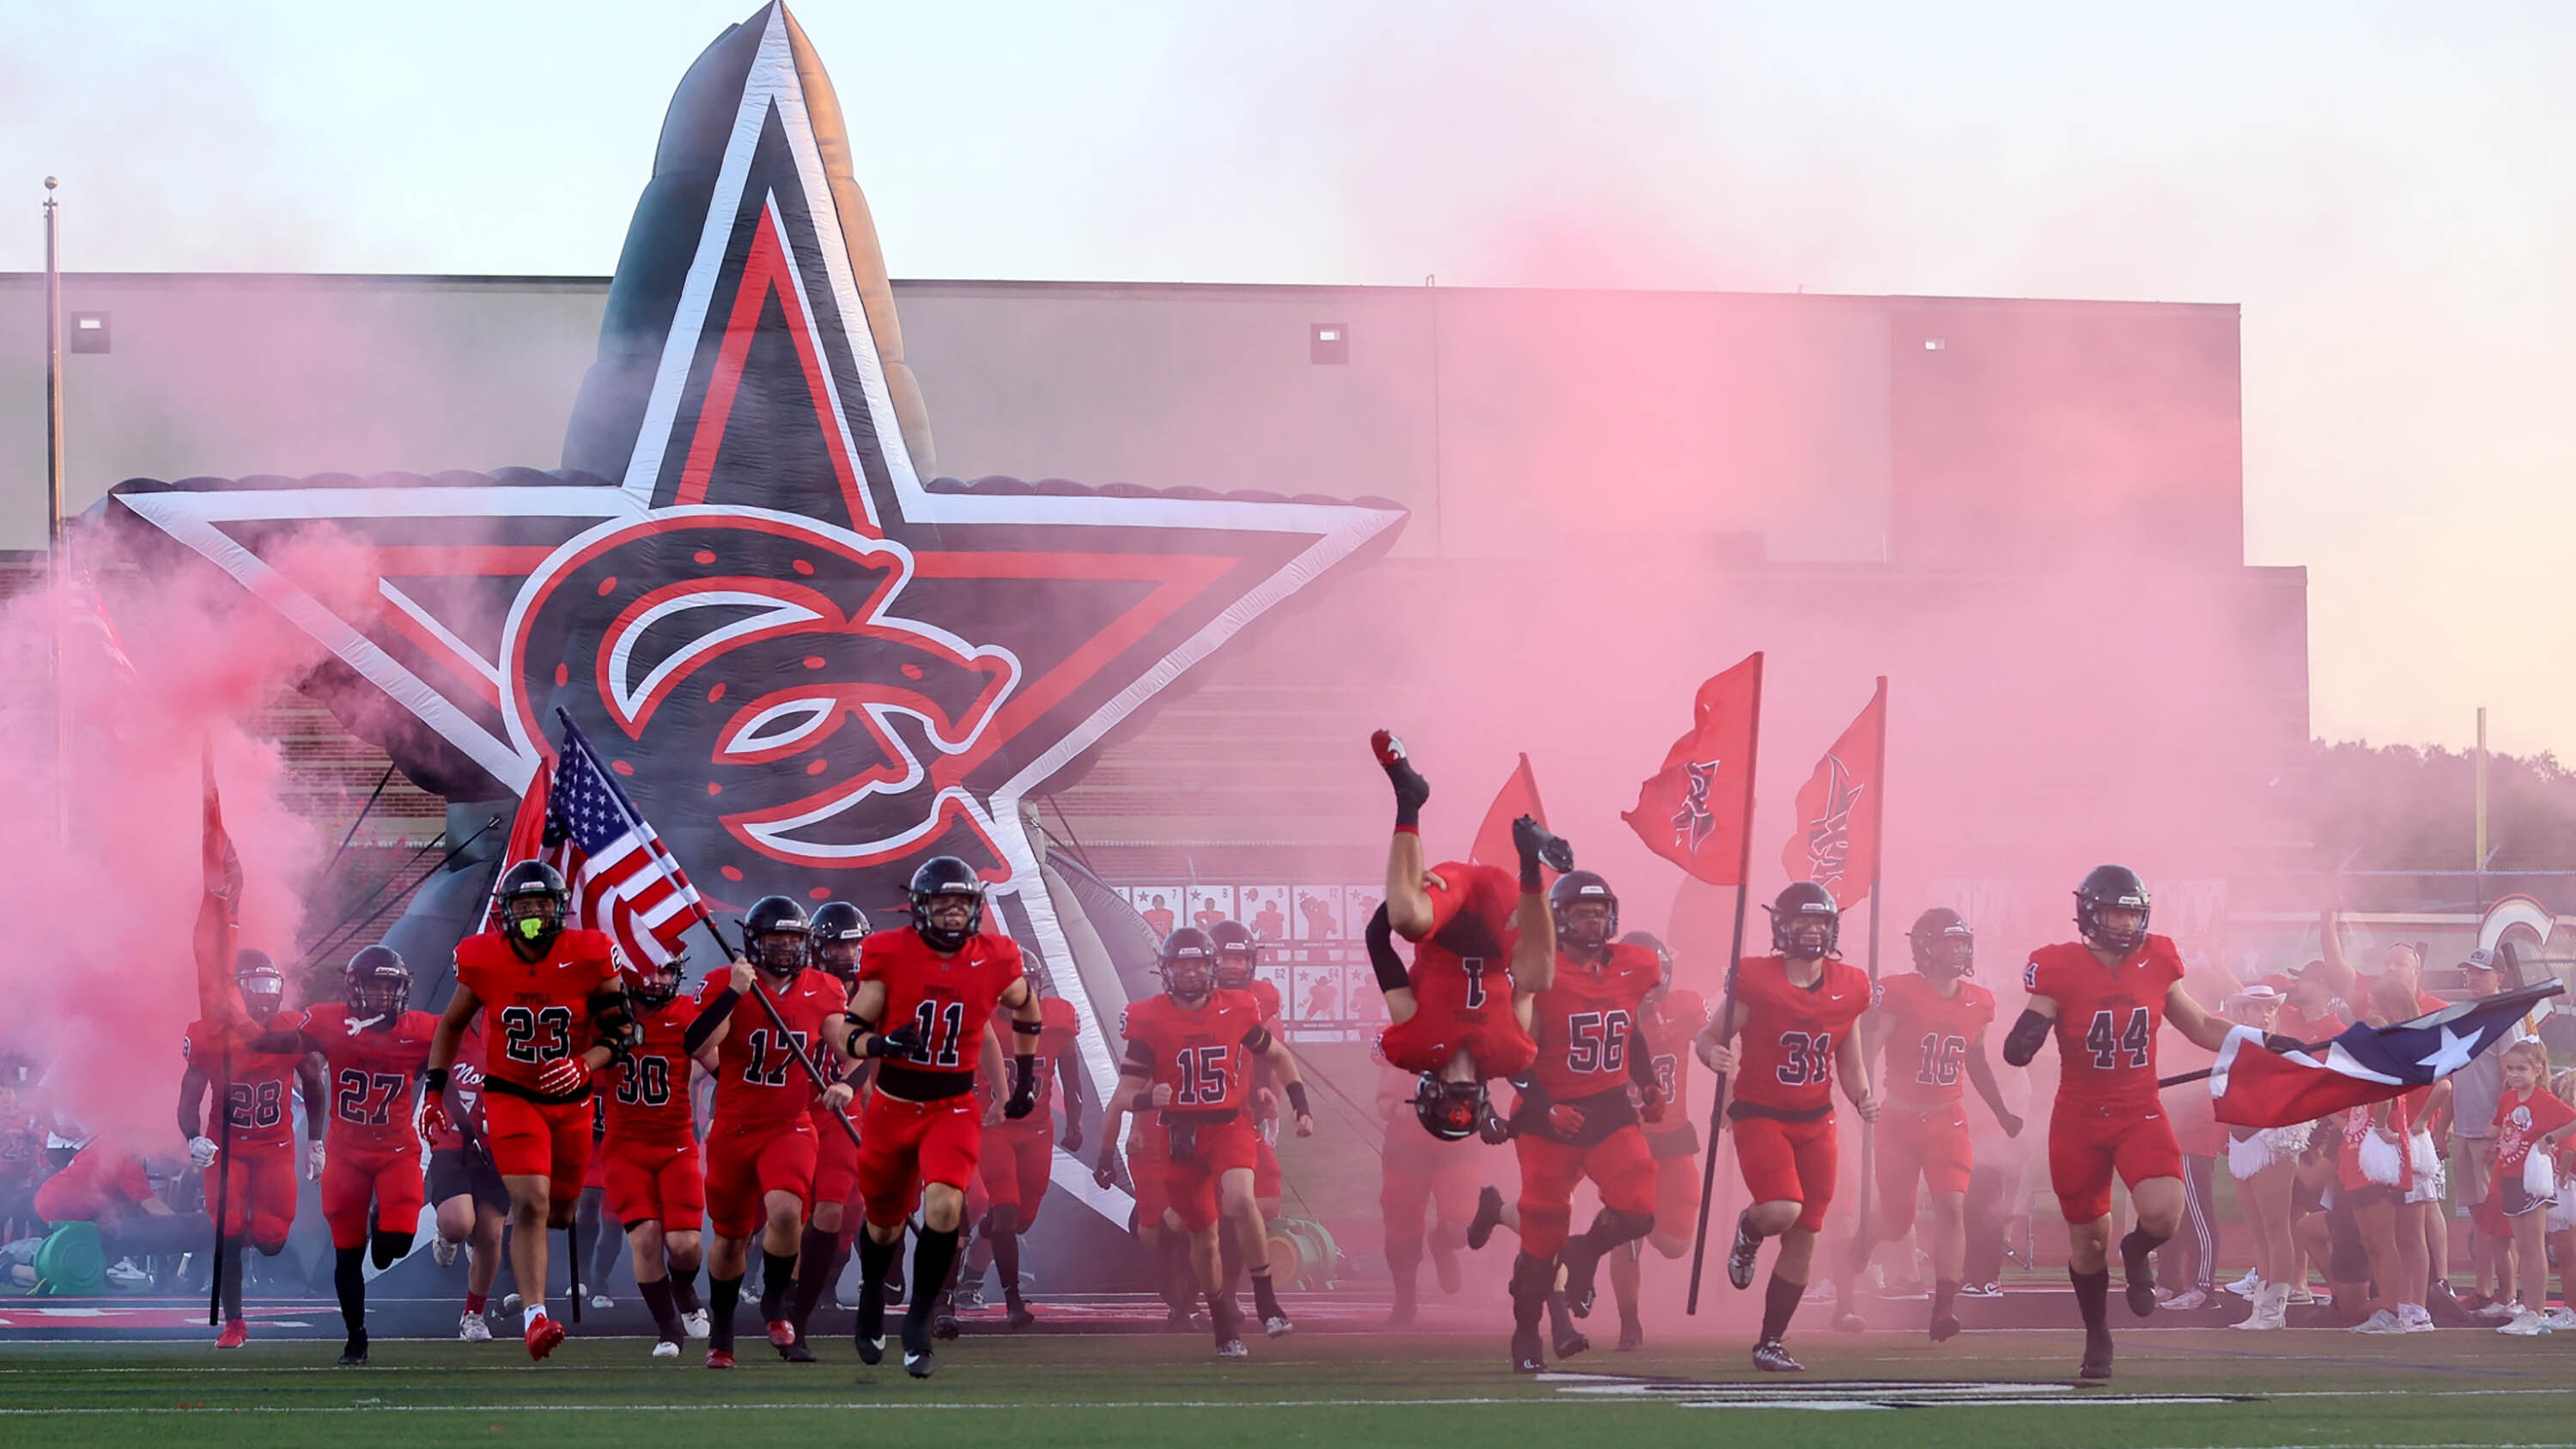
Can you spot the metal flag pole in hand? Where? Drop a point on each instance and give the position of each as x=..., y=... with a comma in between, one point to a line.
x=223, y=1170
x=1726, y=1010
x=1877, y=873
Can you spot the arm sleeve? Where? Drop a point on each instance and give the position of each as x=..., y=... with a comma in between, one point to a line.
x=2022, y=1043
x=1140, y=1060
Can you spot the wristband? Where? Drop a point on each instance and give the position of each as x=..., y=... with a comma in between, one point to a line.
x=1143, y=1102
x=435, y=1080
x=1297, y=1098
x=1531, y=881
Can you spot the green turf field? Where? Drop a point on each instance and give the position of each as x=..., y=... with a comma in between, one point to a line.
x=2301, y=1388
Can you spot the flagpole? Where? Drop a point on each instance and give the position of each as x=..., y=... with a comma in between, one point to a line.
x=57, y=547
x=1877, y=875
x=1726, y=1008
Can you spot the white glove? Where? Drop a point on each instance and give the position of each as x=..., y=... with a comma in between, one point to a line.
x=201, y=1151
x=313, y=1162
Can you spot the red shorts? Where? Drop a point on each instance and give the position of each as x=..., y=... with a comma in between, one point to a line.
x=1676, y=1195
x=1017, y=1166
x=1219, y=1148
x=531, y=1139
x=1788, y=1162
x=651, y=1182
x=1619, y=1165
x=1265, y=1169
x=836, y=1160
x=905, y=1144
x=1929, y=1144
x=1145, y=1166
x=2087, y=1144
x=747, y=1164
x=1421, y=1171
x=259, y=1193
x=389, y=1179
x=1429, y=1039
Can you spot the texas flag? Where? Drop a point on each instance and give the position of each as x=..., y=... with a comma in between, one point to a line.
x=1518, y=797
x=1835, y=843
x=1698, y=809
x=2257, y=1088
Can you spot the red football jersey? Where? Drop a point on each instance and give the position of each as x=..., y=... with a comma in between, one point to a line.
x=464, y=1095
x=370, y=1075
x=260, y=1098
x=1785, y=1043
x=1672, y=1029
x=1586, y=1023
x=1463, y=968
x=648, y=1096
x=949, y=998
x=2107, y=1019
x=758, y=1083
x=1266, y=993
x=534, y=1012
x=1201, y=1053
x=1927, y=1037
x=1059, y=1026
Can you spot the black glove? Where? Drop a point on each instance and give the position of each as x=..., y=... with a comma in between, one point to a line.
x=1538, y=846
x=1024, y=1088
x=903, y=1041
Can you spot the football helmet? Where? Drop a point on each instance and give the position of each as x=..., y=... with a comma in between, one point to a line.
x=1581, y=887
x=1238, y=952
x=262, y=985
x=774, y=935
x=832, y=940
x=1943, y=944
x=1188, y=964
x=532, y=901
x=2111, y=887
x=656, y=985
x=379, y=983
x=1805, y=922
x=1450, y=1111
x=1663, y=955
x=946, y=875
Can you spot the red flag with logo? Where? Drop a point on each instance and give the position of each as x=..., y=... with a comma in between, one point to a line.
x=1696, y=810
x=1518, y=797
x=218, y=912
x=1835, y=841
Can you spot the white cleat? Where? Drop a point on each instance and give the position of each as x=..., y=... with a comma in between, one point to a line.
x=473, y=1329
x=442, y=1251
x=665, y=1348
x=695, y=1323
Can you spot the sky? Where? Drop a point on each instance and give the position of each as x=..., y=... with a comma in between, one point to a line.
x=2388, y=192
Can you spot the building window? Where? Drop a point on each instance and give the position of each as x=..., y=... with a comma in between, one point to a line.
x=87, y=331
x=1328, y=344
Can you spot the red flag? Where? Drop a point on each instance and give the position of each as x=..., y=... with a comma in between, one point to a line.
x=1696, y=810
x=1518, y=797
x=219, y=913
x=1835, y=842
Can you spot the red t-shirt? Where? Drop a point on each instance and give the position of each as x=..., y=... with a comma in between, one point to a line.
x=535, y=1012
x=261, y=1088
x=648, y=1096
x=370, y=1074
x=1586, y=1022
x=1266, y=993
x=1201, y=1053
x=2357, y=1130
x=1462, y=969
x=950, y=999
x=758, y=1083
x=1928, y=1035
x=1788, y=1034
x=1058, y=1026
x=2521, y=1120
x=2107, y=1020
x=99, y=1179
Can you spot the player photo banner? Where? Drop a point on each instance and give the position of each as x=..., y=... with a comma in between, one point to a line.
x=1835, y=840
x=1695, y=811
x=1518, y=797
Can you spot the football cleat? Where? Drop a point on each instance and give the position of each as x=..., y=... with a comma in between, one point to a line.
x=1571, y=1341
x=472, y=1329
x=943, y=1320
x=665, y=1348
x=355, y=1355
x=1233, y=1348
x=1015, y=1311
x=1489, y=1216
x=602, y=1300
x=1945, y=1327
x=797, y=1352
x=235, y=1334
x=718, y=1358
x=1580, y=1263
x=1528, y=1357
x=1277, y=1325
x=2097, y=1359
x=1771, y=1358
x=696, y=1325
x=917, y=1358
x=442, y=1251
x=1850, y=1322
x=1739, y=1258
x=2138, y=1267
x=543, y=1336
x=782, y=1332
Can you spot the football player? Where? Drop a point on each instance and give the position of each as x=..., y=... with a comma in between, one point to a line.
x=1193, y=1047
x=256, y=1090
x=555, y=1012
x=1238, y=962
x=1673, y=1019
x=1482, y=953
x=832, y=941
x=373, y=1049
x=926, y=994
x=655, y=1183
x=1794, y=1010
x=1019, y=1159
x=465, y=1190
x=1417, y=1171
x=1932, y=1025
x=2105, y=997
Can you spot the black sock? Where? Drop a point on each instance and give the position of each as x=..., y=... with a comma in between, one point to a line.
x=388, y=1248
x=1264, y=1297
x=933, y=1252
x=349, y=1277
x=232, y=1282
x=1779, y=1303
x=1943, y=1293
x=666, y=1314
x=725, y=1293
x=2093, y=1298
x=684, y=1291
x=874, y=1259
x=1006, y=1261
x=1180, y=1287
x=777, y=1276
x=1533, y=1279
x=813, y=1273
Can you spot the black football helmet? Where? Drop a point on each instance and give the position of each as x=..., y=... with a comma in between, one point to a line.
x=379, y=983
x=773, y=935
x=1577, y=887
x=1188, y=964
x=1238, y=952
x=2111, y=887
x=531, y=902
x=262, y=985
x=1450, y=1111
x=946, y=875
x=832, y=940
x=655, y=985
x=1805, y=922
x=1943, y=944
x=1663, y=955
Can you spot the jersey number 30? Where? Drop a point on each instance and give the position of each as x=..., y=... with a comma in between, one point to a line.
x=2110, y=1044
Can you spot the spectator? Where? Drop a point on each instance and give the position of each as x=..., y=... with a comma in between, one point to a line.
x=2474, y=1090
x=2530, y=1122
x=2264, y=1162
x=106, y=1184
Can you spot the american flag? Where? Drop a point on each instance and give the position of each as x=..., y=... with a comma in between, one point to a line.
x=623, y=879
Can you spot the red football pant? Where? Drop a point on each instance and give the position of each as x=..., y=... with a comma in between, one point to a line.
x=259, y=1193
x=1926, y=1144
x=1676, y=1195
x=1619, y=1165
x=1191, y=1186
x=1788, y=1162
x=352, y=1178
x=1017, y=1166
x=905, y=1144
x=651, y=1182
x=533, y=1139
x=1431, y=1038
x=746, y=1164
x=1435, y=1174
x=2085, y=1146
x=836, y=1161
x=1145, y=1166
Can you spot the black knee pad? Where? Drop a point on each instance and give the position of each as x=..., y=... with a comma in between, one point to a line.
x=389, y=1248
x=1533, y=1277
